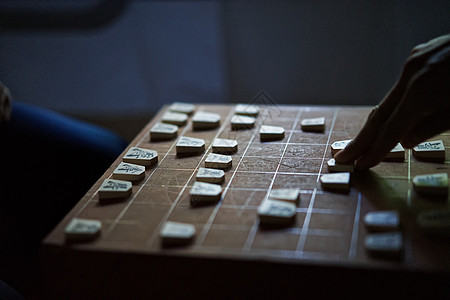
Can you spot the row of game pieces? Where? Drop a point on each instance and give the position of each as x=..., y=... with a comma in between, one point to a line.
x=119, y=187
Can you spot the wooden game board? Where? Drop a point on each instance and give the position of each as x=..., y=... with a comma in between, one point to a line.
x=230, y=250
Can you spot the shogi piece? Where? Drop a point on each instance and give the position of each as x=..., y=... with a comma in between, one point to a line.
x=224, y=146
x=338, y=146
x=79, y=230
x=271, y=133
x=203, y=193
x=174, y=118
x=218, y=161
x=163, y=132
x=388, y=244
x=276, y=213
x=430, y=150
x=127, y=171
x=314, y=124
x=210, y=175
x=205, y=120
x=334, y=167
x=177, y=234
x=396, y=154
x=336, y=181
x=288, y=195
x=141, y=156
x=388, y=220
x=435, y=222
x=190, y=145
x=247, y=110
x=182, y=107
x=431, y=184
x=242, y=122
x=114, y=189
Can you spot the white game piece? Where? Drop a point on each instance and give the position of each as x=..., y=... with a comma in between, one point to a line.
x=388, y=244
x=204, y=193
x=388, y=220
x=113, y=189
x=338, y=146
x=334, y=167
x=435, y=222
x=127, y=171
x=210, y=175
x=177, y=234
x=181, y=107
x=288, y=195
x=140, y=156
x=247, y=110
x=82, y=229
x=274, y=212
x=218, y=161
x=314, y=124
x=336, y=181
x=431, y=184
x=396, y=154
x=205, y=120
x=269, y=133
x=224, y=146
x=163, y=132
x=174, y=118
x=190, y=145
x=242, y=122
x=431, y=150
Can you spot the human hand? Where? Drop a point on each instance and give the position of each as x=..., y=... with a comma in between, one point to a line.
x=5, y=104
x=415, y=109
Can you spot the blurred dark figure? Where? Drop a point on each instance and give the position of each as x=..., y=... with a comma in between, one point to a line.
x=48, y=162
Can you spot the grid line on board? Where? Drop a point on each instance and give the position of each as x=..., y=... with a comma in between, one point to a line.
x=254, y=228
x=207, y=226
x=177, y=199
x=302, y=240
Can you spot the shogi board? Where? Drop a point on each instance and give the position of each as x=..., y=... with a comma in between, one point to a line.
x=231, y=254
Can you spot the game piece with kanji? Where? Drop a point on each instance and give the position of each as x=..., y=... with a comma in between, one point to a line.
x=79, y=230
x=435, y=222
x=210, y=175
x=270, y=133
x=334, y=167
x=247, y=110
x=313, y=124
x=242, y=122
x=182, y=107
x=177, y=234
x=218, y=161
x=396, y=154
x=141, y=156
x=114, y=189
x=163, y=132
x=388, y=220
x=336, y=181
x=387, y=244
x=224, y=146
x=205, y=193
x=127, y=171
x=431, y=184
x=205, y=120
x=288, y=195
x=174, y=118
x=190, y=145
x=276, y=213
x=430, y=150
x=338, y=146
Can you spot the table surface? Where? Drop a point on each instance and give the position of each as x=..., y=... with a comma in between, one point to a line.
x=328, y=228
